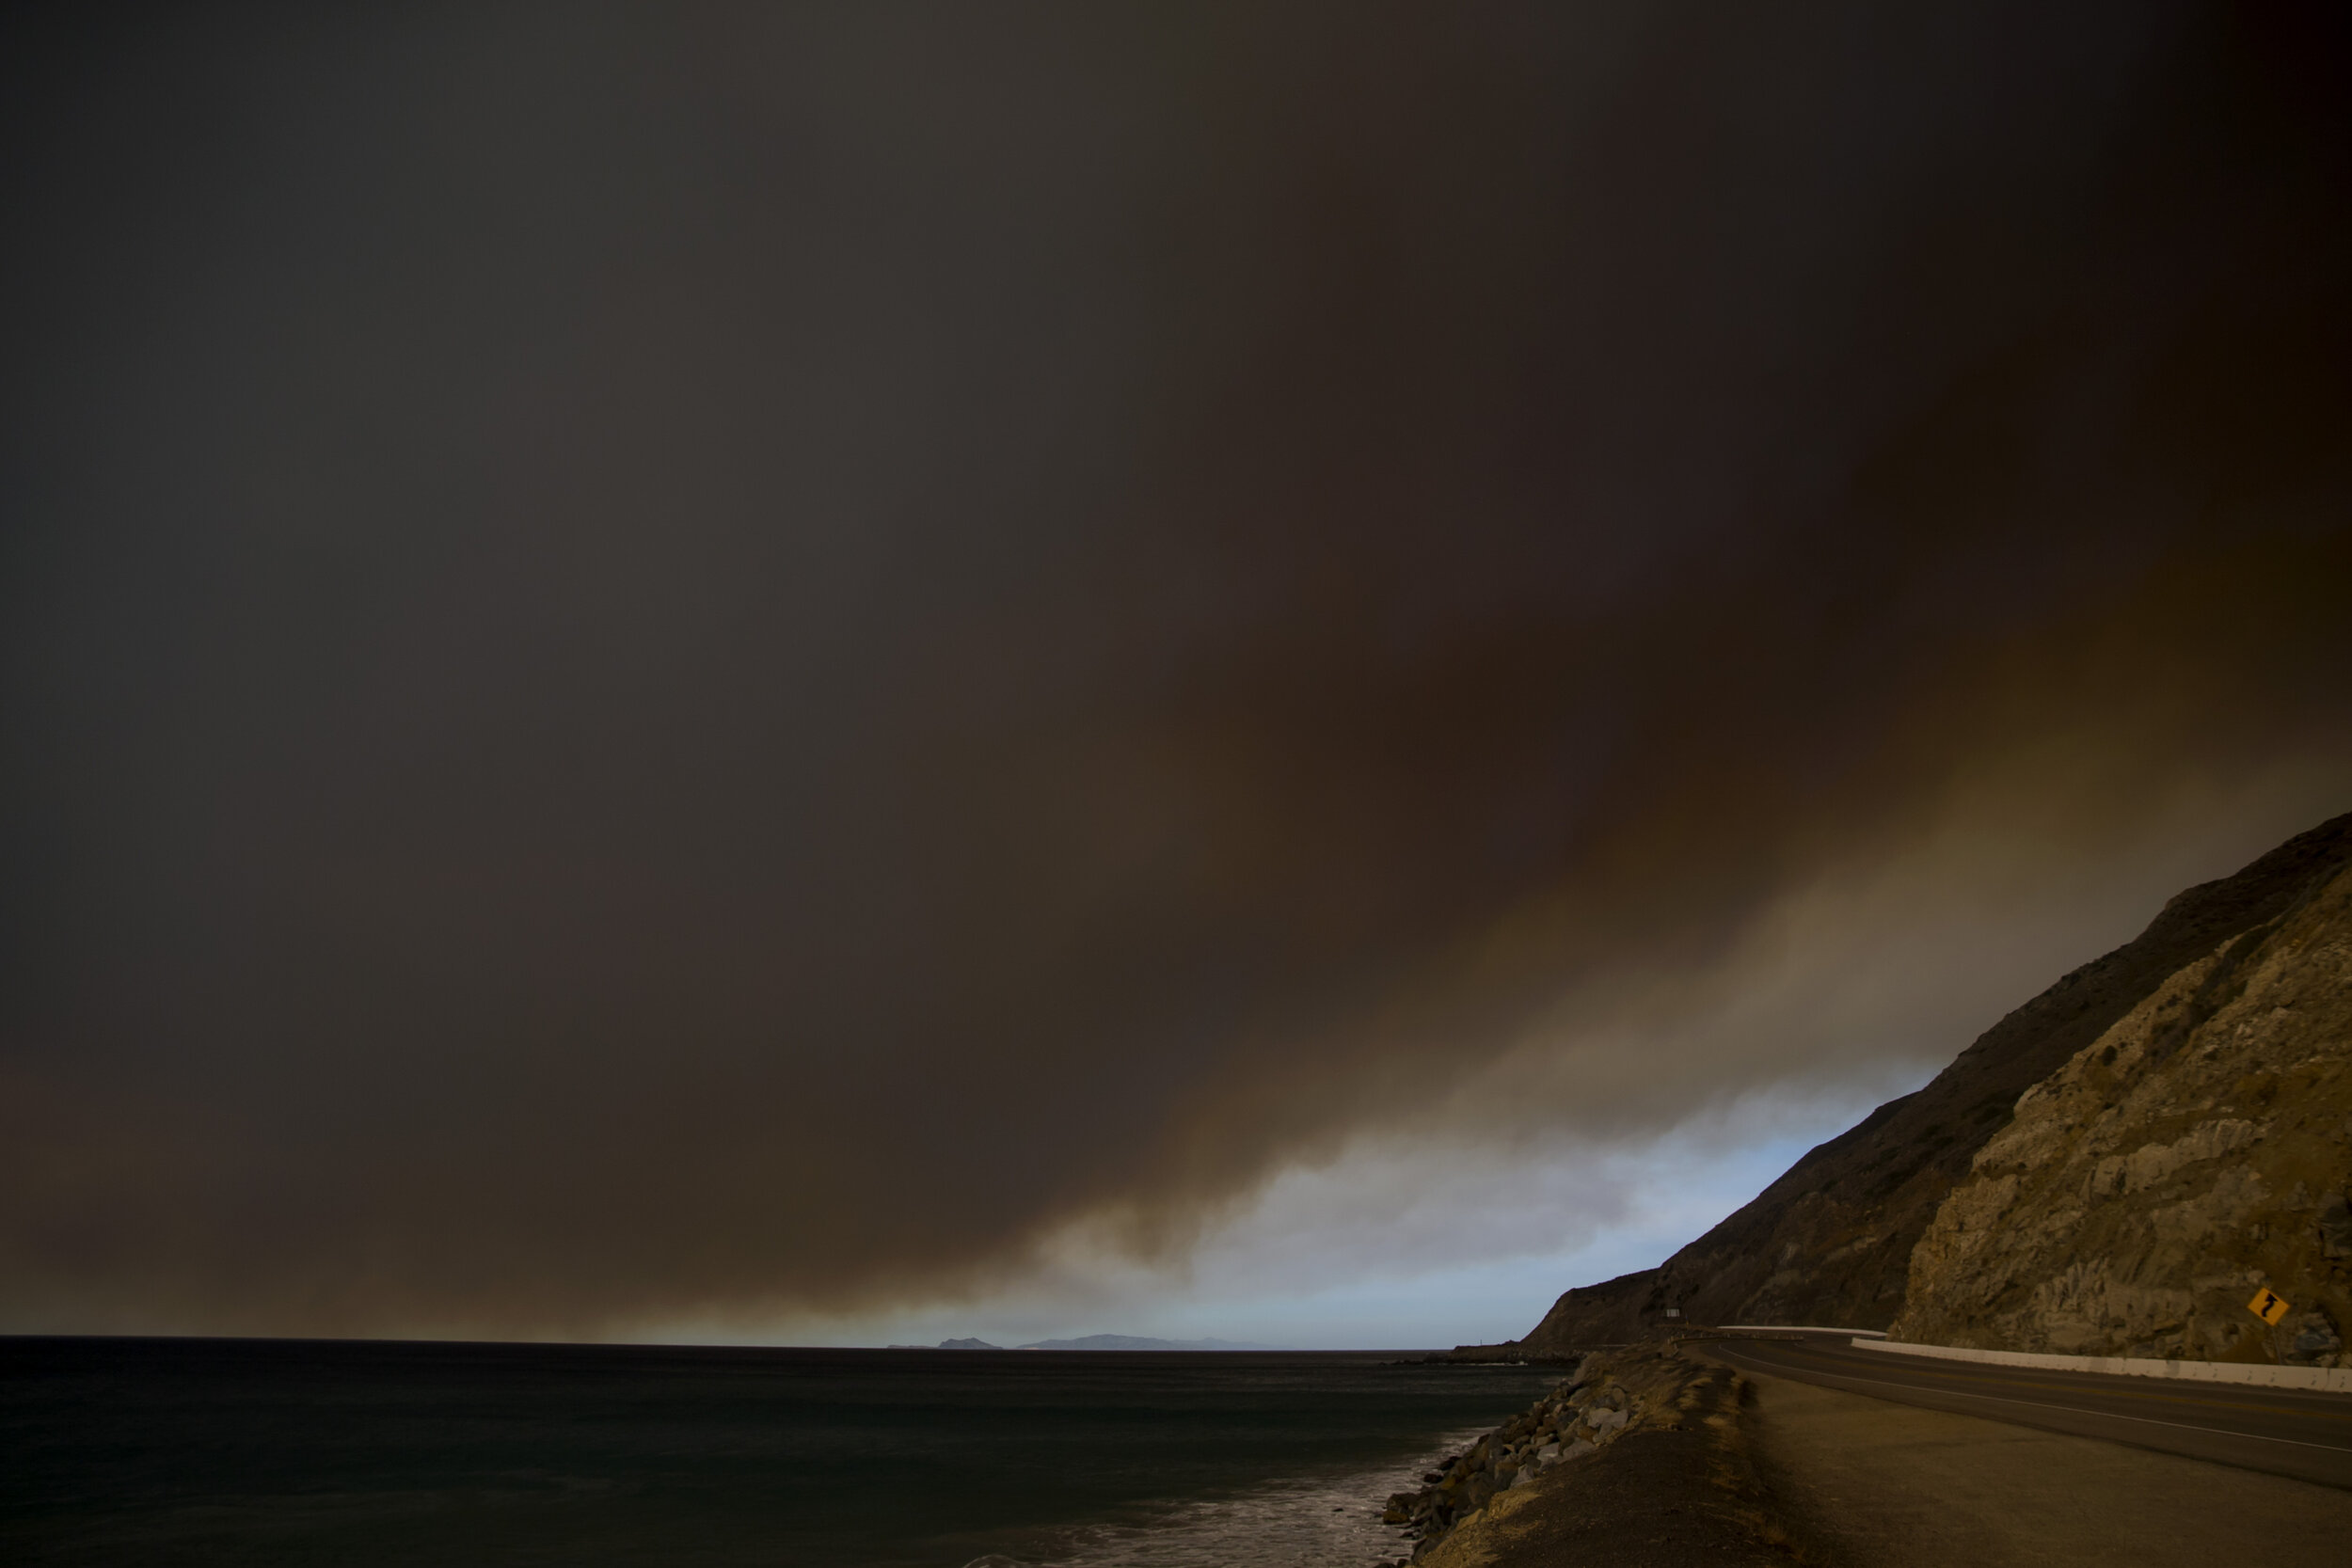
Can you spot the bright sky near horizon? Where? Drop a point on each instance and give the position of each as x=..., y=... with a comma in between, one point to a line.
x=1535, y=1223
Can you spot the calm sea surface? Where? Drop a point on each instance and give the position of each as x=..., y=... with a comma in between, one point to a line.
x=170, y=1452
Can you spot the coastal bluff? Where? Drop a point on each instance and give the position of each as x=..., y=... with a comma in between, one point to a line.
x=2116, y=1169
x=2192, y=1155
x=2062, y=1183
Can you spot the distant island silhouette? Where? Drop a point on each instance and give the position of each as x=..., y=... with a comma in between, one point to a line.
x=1098, y=1341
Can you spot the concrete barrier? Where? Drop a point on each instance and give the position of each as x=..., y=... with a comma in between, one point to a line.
x=2334, y=1380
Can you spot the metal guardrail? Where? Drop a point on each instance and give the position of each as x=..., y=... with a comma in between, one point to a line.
x=2335, y=1380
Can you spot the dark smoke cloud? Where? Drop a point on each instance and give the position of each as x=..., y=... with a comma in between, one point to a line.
x=675, y=659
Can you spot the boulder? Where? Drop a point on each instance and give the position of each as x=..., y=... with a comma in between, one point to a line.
x=2335, y=1227
x=2315, y=1342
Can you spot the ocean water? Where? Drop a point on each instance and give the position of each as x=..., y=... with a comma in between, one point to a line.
x=160, y=1452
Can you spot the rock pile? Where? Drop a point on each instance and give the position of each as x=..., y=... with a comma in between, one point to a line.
x=1582, y=1414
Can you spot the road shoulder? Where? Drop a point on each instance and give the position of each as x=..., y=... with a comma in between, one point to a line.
x=1872, y=1483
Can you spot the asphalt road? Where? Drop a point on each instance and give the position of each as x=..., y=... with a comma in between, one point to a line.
x=2282, y=1431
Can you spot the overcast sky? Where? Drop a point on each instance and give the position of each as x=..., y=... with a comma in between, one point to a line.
x=1288, y=672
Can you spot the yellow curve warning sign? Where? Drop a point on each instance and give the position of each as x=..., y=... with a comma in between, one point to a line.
x=2269, y=1307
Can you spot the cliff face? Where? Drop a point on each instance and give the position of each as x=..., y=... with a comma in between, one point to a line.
x=1831, y=1242
x=2196, y=1152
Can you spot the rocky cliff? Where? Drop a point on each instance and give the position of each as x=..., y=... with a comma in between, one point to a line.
x=1832, y=1242
x=2193, y=1154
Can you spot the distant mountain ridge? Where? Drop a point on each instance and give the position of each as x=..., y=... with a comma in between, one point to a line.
x=1832, y=1241
x=1099, y=1341
x=1130, y=1341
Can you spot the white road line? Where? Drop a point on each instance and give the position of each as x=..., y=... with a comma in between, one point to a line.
x=2069, y=1409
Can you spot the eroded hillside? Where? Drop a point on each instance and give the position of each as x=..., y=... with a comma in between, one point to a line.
x=2195, y=1152
x=1831, y=1242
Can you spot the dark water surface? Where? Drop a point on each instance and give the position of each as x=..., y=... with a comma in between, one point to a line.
x=167, y=1452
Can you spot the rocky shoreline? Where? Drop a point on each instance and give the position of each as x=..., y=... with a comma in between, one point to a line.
x=1580, y=1414
x=1643, y=1436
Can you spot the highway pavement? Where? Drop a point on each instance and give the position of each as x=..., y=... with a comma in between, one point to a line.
x=2282, y=1432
